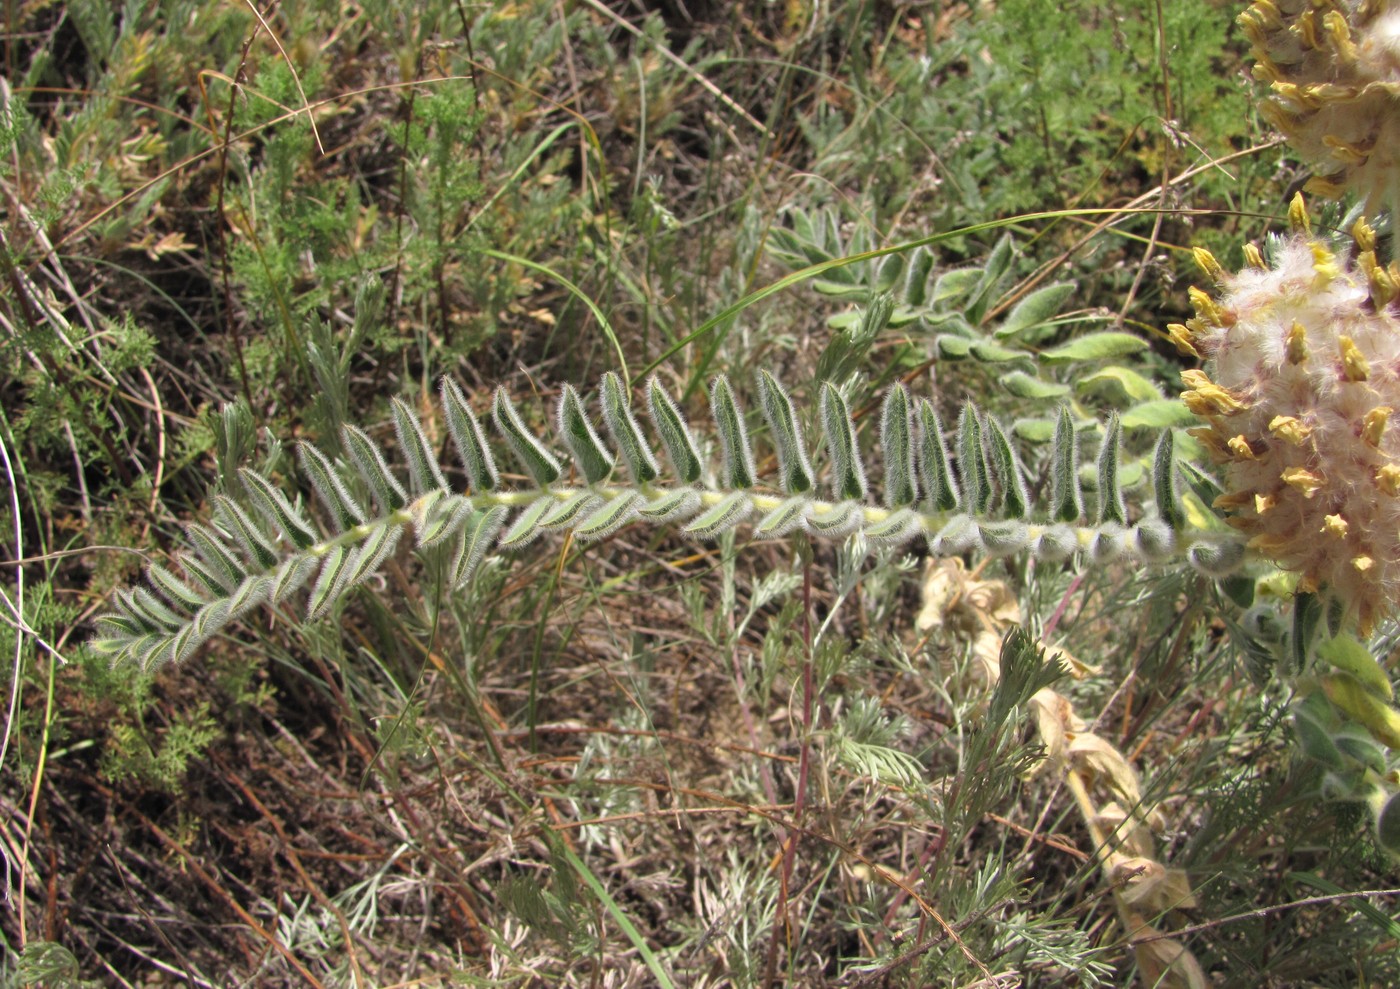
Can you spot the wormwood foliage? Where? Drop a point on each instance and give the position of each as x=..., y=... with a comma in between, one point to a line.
x=971, y=494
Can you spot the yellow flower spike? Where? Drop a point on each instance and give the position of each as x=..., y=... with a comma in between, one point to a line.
x=1303, y=480
x=1298, y=220
x=1334, y=525
x=1254, y=258
x=1297, y=344
x=1354, y=364
x=1207, y=263
x=1290, y=429
x=1240, y=447
x=1364, y=235
x=1388, y=479
x=1178, y=334
x=1373, y=425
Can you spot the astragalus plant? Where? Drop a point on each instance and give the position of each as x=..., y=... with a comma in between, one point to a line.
x=960, y=490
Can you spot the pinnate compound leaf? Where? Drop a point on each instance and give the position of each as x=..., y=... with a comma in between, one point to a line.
x=786, y=432
x=579, y=436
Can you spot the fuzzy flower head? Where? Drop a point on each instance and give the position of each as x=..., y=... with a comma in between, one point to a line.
x=1334, y=68
x=1301, y=383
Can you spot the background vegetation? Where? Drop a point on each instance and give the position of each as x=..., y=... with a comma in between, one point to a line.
x=597, y=766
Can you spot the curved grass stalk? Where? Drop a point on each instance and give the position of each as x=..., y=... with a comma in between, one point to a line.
x=262, y=547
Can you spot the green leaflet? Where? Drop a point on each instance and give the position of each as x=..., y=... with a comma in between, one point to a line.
x=538, y=462
x=1015, y=500
x=675, y=434
x=370, y=464
x=847, y=472
x=468, y=438
x=897, y=441
x=731, y=510
x=274, y=506
x=795, y=471
x=734, y=448
x=626, y=433
x=423, y=470
x=475, y=542
x=1164, y=481
x=608, y=518
x=1111, y=506
x=577, y=432
x=1065, y=502
x=972, y=461
x=940, y=488
x=328, y=484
